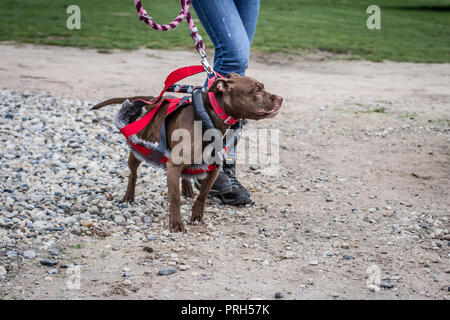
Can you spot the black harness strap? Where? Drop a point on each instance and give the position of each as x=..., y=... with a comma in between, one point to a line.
x=231, y=136
x=200, y=112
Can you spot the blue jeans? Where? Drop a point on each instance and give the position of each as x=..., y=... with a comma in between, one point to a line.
x=231, y=26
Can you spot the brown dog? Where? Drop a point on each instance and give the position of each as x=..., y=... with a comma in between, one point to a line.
x=240, y=97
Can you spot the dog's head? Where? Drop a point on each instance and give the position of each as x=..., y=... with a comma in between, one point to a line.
x=245, y=97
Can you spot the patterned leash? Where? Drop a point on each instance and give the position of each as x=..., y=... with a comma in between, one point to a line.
x=184, y=13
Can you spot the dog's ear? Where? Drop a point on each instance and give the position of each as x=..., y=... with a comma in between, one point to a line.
x=232, y=75
x=221, y=85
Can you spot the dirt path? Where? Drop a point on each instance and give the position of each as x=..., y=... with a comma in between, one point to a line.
x=364, y=174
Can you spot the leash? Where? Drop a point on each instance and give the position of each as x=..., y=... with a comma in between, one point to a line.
x=184, y=13
x=179, y=74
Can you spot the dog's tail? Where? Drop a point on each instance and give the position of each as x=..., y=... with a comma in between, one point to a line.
x=120, y=100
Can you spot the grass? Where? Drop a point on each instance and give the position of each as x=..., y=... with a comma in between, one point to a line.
x=414, y=30
x=410, y=115
x=376, y=110
x=443, y=121
x=77, y=246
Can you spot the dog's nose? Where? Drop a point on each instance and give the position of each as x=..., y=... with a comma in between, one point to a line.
x=277, y=99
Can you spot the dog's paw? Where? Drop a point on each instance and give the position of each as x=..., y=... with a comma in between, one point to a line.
x=197, y=214
x=196, y=220
x=128, y=198
x=177, y=226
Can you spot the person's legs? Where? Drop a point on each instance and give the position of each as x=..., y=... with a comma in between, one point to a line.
x=223, y=23
x=231, y=25
x=248, y=11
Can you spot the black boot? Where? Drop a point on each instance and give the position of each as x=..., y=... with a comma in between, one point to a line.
x=238, y=195
x=227, y=187
x=221, y=185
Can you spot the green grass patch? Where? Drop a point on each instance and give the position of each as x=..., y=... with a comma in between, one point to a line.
x=77, y=246
x=414, y=30
x=442, y=121
x=376, y=110
x=410, y=115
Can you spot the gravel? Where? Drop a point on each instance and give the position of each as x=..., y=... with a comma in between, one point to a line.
x=29, y=254
x=53, y=271
x=11, y=254
x=49, y=262
x=279, y=295
x=54, y=251
x=313, y=263
x=184, y=267
x=387, y=285
x=166, y=272
x=64, y=171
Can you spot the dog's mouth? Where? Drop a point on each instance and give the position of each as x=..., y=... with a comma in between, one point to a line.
x=269, y=114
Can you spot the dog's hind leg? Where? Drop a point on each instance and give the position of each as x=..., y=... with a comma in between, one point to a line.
x=173, y=184
x=187, y=190
x=199, y=204
x=133, y=164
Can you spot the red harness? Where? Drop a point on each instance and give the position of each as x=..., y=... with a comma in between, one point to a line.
x=135, y=127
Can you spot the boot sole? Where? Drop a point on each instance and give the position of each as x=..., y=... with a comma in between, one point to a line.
x=235, y=202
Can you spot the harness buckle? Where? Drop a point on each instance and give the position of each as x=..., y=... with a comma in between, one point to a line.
x=228, y=119
x=207, y=66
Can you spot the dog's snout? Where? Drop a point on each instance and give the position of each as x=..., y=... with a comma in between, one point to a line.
x=277, y=100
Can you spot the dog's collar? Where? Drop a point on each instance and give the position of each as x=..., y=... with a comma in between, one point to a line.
x=217, y=108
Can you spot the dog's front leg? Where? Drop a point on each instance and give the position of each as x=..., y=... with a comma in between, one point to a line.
x=173, y=184
x=199, y=204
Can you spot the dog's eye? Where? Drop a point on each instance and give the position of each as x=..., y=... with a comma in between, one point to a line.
x=257, y=90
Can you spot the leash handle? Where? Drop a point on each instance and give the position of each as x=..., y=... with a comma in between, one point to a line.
x=184, y=13
x=143, y=16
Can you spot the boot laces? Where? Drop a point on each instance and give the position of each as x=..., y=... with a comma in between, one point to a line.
x=230, y=171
